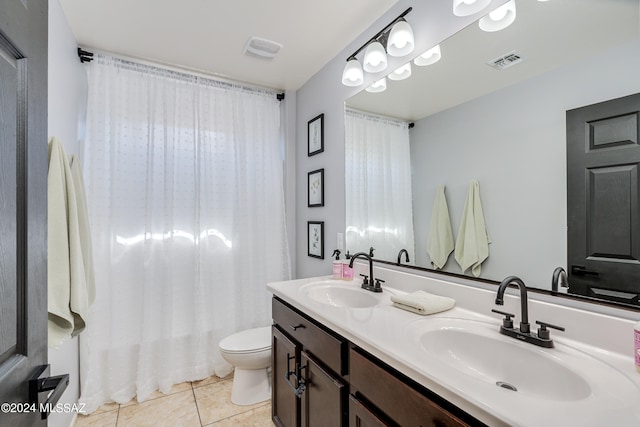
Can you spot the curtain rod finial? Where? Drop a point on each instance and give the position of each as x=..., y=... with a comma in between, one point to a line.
x=85, y=56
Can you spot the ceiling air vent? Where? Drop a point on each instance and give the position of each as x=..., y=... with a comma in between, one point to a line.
x=260, y=48
x=505, y=61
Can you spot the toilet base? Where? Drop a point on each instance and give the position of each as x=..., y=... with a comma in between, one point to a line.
x=250, y=386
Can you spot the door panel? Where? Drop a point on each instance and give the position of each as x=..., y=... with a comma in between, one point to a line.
x=603, y=189
x=9, y=89
x=285, y=405
x=23, y=202
x=361, y=416
x=324, y=399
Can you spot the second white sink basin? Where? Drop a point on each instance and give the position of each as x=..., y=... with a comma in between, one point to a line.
x=477, y=350
x=344, y=294
x=506, y=364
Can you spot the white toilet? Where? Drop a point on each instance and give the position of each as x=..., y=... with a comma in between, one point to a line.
x=250, y=352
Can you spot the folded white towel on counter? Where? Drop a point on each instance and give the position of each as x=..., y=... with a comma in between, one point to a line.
x=422, y=302
x=440, y=241
x=472, y=245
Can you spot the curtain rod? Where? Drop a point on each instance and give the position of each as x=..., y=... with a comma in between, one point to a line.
x=353, y=110
x=86, y=56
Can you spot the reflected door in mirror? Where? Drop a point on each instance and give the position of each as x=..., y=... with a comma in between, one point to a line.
x=603, y=156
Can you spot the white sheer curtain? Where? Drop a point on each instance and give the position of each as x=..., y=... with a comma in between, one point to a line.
x=185, y=193
x=378, y=185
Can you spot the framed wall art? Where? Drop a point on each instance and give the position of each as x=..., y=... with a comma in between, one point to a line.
x=315, y=188
x=315, y=239
x=315, y=135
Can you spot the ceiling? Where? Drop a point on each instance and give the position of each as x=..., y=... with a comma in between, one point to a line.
x=209, y=35
x=546, y=34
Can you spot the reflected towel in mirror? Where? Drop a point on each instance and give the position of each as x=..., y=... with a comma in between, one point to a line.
x=440, y=241
x=472, y=243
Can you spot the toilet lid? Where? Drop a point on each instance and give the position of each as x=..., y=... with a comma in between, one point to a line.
x=248, y=341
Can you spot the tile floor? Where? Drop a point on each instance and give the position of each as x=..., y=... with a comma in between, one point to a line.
x=190, y=404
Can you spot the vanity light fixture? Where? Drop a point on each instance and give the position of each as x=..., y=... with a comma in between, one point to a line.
x=375, y=58
x=469, y=7
x=378, y=86
x=401, y=40
x=398, y=37
x=500, y=18
x=430, y=57
x=401, y=73
x=352, y=74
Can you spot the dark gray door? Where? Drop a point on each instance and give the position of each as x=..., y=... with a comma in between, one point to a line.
x=23, y=204
x=603, y=189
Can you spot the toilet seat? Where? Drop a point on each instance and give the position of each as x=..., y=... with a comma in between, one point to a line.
x=249, y=341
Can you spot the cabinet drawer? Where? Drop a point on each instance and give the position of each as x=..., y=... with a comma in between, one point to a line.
x=329, y=348
x=396, y=399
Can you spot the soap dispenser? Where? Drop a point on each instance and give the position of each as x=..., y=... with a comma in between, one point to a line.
x=347, y=272
x=337, y=265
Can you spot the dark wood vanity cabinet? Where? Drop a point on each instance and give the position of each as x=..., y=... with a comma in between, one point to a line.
x=314, y=370
x=308, y=362
x=386, y=398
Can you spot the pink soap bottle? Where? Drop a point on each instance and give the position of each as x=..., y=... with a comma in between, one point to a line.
x=347, y=272
x=337, y=265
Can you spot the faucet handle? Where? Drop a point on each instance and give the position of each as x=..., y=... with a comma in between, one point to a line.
x=378, y=285
x=365, y=280
x=507, y=322
x=543, y=332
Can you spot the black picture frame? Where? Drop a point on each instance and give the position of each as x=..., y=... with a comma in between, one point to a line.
x=315, y=135
x=315, y=239
x=315, y=188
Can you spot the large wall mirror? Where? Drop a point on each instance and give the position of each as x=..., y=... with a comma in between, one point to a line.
x=492, y=110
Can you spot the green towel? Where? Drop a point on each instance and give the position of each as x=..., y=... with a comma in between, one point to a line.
x=68, y=301
x=472, y=244
x=440, y=242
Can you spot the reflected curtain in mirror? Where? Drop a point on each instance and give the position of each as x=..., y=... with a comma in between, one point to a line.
x=378, y=185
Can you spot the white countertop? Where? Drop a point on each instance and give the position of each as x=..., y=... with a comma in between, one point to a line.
x=388, y=333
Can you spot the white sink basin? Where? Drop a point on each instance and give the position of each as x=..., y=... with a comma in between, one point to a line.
x=344, y=294
x=506, y=364
x=477, y=350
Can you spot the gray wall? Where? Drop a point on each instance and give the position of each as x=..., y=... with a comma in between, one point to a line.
x=513, y=143
x=432, y=22
x=67, y=113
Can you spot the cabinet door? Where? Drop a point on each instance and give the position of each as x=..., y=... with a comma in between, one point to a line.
x=285, y=405
x=361, y=416
x=324, y=399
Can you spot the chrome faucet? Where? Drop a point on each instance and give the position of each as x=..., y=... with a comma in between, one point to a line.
x=559, y=278
x=406, y=256
x=524, y=333
x=369, y=284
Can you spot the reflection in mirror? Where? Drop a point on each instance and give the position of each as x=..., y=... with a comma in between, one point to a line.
x=379, y=212
x=504, y=126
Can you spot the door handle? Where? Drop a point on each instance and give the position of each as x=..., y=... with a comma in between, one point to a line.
x=300, y=386
x=41, y=382
x=580, y=270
